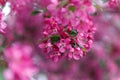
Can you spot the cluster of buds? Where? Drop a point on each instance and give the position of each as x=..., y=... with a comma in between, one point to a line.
x=69, y=29
x=66, y=41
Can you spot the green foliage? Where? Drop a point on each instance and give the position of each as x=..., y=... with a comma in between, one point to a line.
x=73, y=33
x=55, y=38
x=72, y=8
x=117, y=61
x=64, y=3
x=1, y=73
x=103, y=64
x=35, y=12
x=105, y=1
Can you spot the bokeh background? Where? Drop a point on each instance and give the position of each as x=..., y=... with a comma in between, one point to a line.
x=102, y=62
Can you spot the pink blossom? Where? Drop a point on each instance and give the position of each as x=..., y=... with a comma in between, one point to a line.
x=2, y=23
x=2, y=2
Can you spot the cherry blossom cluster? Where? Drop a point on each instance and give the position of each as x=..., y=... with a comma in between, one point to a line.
x=20, y=62
x=68, y=29
x=114, y=3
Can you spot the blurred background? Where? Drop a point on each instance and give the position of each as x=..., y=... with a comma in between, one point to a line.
x=102, y=62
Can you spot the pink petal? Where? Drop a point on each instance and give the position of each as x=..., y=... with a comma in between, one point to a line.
x=76, y=56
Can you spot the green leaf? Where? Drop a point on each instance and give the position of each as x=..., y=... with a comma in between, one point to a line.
x=72, y=8
x=64, y=3
x=117, y=61
x=1, y=73
x=95, y=14
x=35, y=12
x=99, y=7
x=55, y=38
x=105, y=1
x=74, y=44
x=102, y=63
x=1, y=49
x=73, y=33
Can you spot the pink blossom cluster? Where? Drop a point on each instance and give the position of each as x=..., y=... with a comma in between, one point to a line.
x=20, y=63
x=114, y=3
x=68, y=29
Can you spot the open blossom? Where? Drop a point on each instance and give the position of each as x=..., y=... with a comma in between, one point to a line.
x=2, y=23
x=20, y=63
